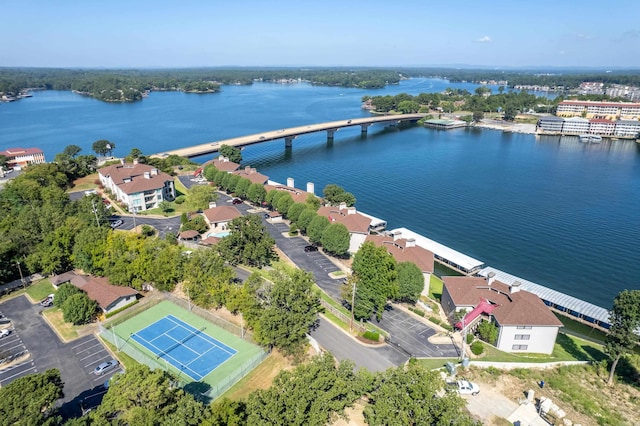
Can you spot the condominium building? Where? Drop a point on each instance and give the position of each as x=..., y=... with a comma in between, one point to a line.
x=602, y=110
x=22, y=157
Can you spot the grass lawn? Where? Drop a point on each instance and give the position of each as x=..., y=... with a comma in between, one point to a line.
x=66, y=330
x=260, y=378
x=567, y=348
x=435, y=288
x=125, y=359
x=87, y=182
x=435, y=363
x=581, y=329
x=40, y=290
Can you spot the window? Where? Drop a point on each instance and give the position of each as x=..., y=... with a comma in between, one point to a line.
x=519, y=347
x=524, y=327
x=522, y=336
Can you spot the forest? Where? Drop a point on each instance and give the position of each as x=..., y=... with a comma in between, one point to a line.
x=128, y=85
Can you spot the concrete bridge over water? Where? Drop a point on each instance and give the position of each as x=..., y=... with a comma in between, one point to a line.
x=291, y=133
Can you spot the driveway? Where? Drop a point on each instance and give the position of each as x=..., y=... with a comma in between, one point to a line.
x=343, y=347
x=75, y=360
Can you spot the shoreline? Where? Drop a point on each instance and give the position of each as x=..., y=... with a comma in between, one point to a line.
x=524, y=128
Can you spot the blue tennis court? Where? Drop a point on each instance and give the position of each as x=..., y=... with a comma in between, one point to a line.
x=183, y=346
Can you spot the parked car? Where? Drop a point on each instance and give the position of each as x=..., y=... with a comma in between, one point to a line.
x=117, y=223
x=47, y=301
x=310, y=248
x=105, y=367
x=464, y=387
x=236, y=201
x=4, y=333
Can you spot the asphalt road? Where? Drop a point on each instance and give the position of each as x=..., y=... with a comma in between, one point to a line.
x=343, y=347
x=75, y=360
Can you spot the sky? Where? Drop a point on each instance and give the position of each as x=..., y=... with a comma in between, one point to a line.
x=215, y=33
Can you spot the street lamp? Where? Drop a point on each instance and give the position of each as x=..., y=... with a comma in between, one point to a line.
x=21, y=276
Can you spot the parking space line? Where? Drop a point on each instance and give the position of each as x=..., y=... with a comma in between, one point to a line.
x=91, y=347
x=91, y=355
x=96, y=362
x=83, y=343
x=13, y=347
x=17, y=374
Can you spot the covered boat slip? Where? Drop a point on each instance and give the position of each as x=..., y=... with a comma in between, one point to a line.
x=443, y=254
x=570, y=305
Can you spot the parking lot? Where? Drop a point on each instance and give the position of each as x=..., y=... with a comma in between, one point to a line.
x=75, y=360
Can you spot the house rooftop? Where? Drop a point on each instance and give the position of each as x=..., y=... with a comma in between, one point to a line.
x=514, y=306
x=221, y=214
x=349, y=217
x=404, y=250
x=222, y=163
x=133, y=178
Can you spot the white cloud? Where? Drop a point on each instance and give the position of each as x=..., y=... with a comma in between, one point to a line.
x=483, y=39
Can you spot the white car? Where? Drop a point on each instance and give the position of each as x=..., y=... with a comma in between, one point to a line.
x=4, y=333
x=464, y=387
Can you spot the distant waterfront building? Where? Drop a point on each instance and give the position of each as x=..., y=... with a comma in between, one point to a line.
x=444, y=124
x=22, y=157
x=621, y=91
x=603, y=110
x=595, y=126
x=137, y=186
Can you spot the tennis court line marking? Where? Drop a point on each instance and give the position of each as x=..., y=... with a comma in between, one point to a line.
x=166, y=355
x=205, y=336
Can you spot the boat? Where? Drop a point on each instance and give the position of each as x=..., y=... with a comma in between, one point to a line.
x=590, y=138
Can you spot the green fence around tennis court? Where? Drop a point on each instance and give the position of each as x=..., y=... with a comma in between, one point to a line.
x=248, y=355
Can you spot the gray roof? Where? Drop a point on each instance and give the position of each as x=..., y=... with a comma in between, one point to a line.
x=551, y=118
x=553, y=296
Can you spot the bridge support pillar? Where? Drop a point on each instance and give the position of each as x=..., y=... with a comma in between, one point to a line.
x=330, y=134
x=363, y=128
x=288, y=141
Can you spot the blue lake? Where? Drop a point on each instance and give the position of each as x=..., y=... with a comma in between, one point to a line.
x=551, y=210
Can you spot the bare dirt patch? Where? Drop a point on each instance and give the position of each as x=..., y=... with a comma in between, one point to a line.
x=261, y=377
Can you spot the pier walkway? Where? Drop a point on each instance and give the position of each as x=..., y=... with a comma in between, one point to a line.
x=291, y=133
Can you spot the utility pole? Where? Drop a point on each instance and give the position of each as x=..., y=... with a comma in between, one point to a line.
x=188, y=299
x=353, y=302
x=95, y=211
x=21, y=276
x=464, y=339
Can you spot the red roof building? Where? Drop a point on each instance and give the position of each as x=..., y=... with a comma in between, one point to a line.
x=22, y=157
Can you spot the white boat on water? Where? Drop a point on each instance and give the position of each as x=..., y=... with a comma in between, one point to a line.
x=590, y=138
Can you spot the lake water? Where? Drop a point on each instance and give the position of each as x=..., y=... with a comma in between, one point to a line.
x=551, y=210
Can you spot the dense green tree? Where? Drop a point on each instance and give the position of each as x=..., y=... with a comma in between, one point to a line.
x=206, y=278
x=336, y=195
x=103, y=147
x=220, y=174
x=376, y=280
x=226, y=412
x=410, y=282
x=64, y=292
x=135, y=153
x=232, y=153
x=272, y=197
x=316, y=228
x=315, y=393
x=335, y=239
x=313, y=202
x=89, y=247
x=196, y=223
x=510, y=113
x=305, y=218
x=165, y=206
x=478, y=115
x=256, y=193
x=4, y=161
x=72, y=150
x=200, y=196
x=409, y=395
x=248, y=243
x=294, y=211
x=30, y=400
x=284, y=202
x=232, y=183
x=408, y=107
x=242, y=187
x=488, y=332
x=291, y=310
x=624, y=318
x=79, y=309
x=138, y=394
x=209, y=172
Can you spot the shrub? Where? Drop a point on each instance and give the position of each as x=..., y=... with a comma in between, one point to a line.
x=79, y=309
x=435, y=320
x=180, y=199
x=64, y=292
x=417, y=311
x=371, y=335
x=469, y=338
x=477, y=348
